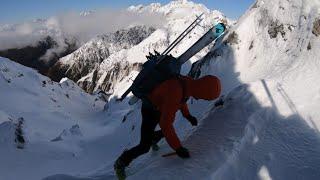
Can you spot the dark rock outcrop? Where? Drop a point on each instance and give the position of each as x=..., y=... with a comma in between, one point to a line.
x=316, y=27
x=32, y=56
x=115, y=74
x=276, y=28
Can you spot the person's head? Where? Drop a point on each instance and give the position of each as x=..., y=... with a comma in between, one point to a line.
x=207, y=88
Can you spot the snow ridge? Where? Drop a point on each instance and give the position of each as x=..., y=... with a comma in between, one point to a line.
x=99, y=74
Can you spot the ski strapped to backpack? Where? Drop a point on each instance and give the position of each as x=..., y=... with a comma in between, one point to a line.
x=160, y=67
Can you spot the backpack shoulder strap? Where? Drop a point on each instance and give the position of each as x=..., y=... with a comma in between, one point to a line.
x=183, y=86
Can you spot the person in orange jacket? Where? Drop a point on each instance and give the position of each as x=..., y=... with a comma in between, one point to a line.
x=160, y=107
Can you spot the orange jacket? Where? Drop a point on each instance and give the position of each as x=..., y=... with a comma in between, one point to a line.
x=169, y=97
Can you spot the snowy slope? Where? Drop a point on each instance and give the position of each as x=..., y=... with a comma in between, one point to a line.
x=65, y=129
x=280, y=47
x=48, y=110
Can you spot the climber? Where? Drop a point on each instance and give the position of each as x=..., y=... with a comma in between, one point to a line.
x=160, y=107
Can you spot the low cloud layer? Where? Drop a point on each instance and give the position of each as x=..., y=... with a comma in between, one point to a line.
x=82, y=26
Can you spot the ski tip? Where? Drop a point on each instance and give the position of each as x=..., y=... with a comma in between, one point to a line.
x=169, y=154
x=220, y=28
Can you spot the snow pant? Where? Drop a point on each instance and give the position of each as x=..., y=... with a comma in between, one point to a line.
x=150, y=119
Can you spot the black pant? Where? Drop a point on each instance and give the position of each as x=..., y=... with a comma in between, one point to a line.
x=150, y=119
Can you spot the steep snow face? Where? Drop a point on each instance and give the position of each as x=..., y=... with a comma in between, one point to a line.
x=179, y=15
x=274, y=50
x=41, y=121
x=88, y=57
x=276, y=44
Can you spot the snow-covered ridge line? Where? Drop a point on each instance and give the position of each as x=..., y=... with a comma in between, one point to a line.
x=87, y=59
x=99, y=75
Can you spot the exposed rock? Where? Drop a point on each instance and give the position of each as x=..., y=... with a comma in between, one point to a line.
x=90, y=82
x=275, y=28
x=290, y=27
x=100, y=95
x=316, y=27
x=120, y=71
x=57, y=72
x=309, y=46
x=251, y=45
x=107, y=80
x=73, y=132
x=255, y=5
x=31, y=56
x=195, y=70
x=232, y=38
x=19, y=138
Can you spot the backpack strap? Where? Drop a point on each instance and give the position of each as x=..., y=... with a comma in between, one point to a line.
x=183, y=86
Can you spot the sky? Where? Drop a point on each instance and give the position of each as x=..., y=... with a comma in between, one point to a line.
x=13, y=11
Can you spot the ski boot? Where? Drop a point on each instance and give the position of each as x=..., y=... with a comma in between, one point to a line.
x=119, y=168
x=155, y=147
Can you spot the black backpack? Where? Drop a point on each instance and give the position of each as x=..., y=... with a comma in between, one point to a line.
x=168, y=68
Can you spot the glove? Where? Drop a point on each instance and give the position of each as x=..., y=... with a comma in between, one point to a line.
x=193, y=120
x=183, y=152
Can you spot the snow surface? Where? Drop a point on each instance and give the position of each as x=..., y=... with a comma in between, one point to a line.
x=48, y=109
x=268, y=127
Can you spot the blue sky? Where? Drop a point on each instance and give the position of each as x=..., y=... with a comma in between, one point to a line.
x=12, y=11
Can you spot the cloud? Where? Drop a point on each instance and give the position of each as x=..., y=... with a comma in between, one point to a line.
x=103, y=21
x=82, y=26
x=19, y=35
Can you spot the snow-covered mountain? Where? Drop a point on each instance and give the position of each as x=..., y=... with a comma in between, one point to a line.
x=89, y=56
x=267, y=128
x=103, y=72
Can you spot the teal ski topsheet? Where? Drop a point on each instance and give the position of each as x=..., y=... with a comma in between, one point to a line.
x=213, y=34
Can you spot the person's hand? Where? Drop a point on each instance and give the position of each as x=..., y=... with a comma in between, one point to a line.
x=183, y=152
x=193, y=120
